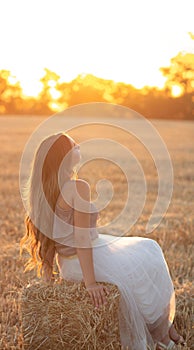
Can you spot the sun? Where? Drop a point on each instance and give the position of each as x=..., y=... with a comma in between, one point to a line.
x=31, y=87
x=176, y=90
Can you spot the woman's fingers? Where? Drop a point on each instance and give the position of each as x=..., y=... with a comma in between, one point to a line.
x=101, y=299
x=92, y=297
x=96, y=299
x=98, y=296
x=106, y=290
x=104, y=296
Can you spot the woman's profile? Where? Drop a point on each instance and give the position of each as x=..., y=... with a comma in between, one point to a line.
x=135, y=264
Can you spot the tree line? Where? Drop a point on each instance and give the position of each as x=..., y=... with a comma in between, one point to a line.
x=151, y=102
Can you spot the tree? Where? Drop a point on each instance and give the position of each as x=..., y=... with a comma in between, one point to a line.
x=181, y=74
x=10, y=93
x=48, y=96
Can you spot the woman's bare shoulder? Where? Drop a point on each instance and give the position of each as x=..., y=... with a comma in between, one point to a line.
x=81, y=186
x=73, y=191
x=78, y=182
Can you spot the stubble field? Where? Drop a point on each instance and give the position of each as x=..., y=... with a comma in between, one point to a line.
x=175, y=233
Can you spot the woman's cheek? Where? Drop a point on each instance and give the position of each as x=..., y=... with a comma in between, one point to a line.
x=76, y=157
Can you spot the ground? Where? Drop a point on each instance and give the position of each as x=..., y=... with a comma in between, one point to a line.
x=175, y=232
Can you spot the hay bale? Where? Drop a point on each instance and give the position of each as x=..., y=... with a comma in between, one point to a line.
x=62, y=316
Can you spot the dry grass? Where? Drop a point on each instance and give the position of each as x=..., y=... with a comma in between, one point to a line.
x=175, y=233
x=53, y=319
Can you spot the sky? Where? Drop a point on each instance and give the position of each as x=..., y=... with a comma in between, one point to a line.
x=125, y=41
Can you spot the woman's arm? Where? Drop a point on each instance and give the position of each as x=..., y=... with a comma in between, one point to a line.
x=82, y=231
x=83, y=242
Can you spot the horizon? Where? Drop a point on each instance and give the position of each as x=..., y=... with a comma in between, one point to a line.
x=12, y=80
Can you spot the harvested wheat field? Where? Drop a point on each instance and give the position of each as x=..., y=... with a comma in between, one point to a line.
x=175, y=233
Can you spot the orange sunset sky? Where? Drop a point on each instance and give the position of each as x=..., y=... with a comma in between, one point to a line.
x=121, y=40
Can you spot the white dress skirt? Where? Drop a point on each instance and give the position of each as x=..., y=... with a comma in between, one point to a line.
x=147, y=299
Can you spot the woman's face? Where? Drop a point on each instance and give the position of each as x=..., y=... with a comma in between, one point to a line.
x=75, y=153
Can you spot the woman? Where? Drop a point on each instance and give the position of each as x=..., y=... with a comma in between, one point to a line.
x=61, y=220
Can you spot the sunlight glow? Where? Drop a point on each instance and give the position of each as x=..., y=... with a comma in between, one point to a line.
x=52, y=83
x=31, y=87
x=12, y=80
x=176, y=90
x=54, y=93
x=72, y=41
x=54, y=106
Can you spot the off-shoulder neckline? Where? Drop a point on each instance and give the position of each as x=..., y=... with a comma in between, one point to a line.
x=70, y=209
x=58, y=206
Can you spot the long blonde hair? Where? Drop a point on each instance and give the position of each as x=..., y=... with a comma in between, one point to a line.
x=42, y=192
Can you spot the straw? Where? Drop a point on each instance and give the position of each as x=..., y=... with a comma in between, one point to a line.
x=62, y=316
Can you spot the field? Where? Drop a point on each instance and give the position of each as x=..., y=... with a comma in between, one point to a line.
x=175, y=233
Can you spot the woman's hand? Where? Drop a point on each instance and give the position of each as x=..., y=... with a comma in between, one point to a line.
x=97, y=293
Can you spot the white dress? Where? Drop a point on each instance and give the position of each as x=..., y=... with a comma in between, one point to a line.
x=137, y=266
